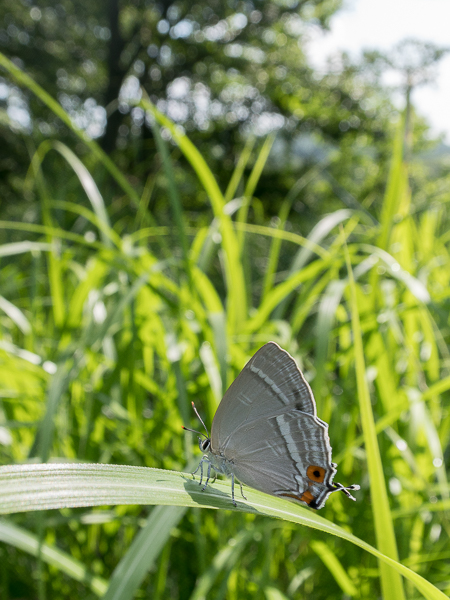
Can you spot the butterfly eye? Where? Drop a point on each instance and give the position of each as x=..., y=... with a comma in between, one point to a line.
x=315, y=473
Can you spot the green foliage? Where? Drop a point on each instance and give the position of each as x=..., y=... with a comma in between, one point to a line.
x=120, y=308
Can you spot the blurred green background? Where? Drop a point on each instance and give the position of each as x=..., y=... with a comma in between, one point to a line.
x=178, y=187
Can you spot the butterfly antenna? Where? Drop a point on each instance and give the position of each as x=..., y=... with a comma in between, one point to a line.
x=194, y=431
x=200, y=419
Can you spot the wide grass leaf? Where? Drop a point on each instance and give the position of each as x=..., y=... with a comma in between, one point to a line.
x=46, y=486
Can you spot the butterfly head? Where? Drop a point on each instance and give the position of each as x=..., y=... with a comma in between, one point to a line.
x=204, y=444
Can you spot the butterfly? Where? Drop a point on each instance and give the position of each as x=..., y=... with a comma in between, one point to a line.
x=267, y=435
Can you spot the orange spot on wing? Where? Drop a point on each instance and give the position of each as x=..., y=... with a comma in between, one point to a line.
x=307, y=497
x=315, y=473
x=291, y=496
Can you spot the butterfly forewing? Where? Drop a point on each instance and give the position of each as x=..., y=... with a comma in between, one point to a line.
x=269, y=382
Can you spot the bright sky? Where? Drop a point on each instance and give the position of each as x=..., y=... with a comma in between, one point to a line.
x=380, y=24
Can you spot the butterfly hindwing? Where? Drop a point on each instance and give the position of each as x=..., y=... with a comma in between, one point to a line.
x=286, y=455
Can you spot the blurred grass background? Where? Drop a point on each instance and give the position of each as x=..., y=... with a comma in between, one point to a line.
x=140, y=277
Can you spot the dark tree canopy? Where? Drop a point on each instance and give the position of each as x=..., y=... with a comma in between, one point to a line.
x=222, y=70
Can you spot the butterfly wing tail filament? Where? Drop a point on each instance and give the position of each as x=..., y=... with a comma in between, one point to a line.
x=338, y=487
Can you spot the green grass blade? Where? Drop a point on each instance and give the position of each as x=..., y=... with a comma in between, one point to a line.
x=237, y=302
x=277, y=295
x=239, y=169
x=47, y=230
x=414, y=285
x=318, y=234
x=391, y=583
x=16, y=315
x=287, y=236
x=335, y=567
x=394, y=189
x=437, y=388
x=90, y=187
x=217, y=320
x=24, y=540
x=283, y=215
x=222, y=564
x=101, y=219
x=174, y=198
x=143, y=552
x=15, y=248
x=58, y=385
x=48, y=486
x=55, y=271
x=95, y=273
x=106, y=232
x=300, y=184
x=272, y=593
x=251, y=186
x=325, y=321
x=274, y=254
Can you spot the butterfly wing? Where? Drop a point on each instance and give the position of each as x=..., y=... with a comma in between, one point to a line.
x=269, y=382
x=287, y=455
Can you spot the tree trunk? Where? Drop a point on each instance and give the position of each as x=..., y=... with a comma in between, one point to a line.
x=116, y=75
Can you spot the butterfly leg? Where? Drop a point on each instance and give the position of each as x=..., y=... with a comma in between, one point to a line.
x=242, y=493
x=232, y=490
x=208, y=477
x=200, y=466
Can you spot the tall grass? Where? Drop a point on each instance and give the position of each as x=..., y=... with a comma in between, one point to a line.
x=112, y=324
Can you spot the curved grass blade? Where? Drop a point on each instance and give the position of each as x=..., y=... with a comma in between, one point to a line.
x=47, y=486
x=24, y=540
x=91, y=189
x=16, y=315
x=413, y=284
x=318, y=234
x=282, y=216
x=333, y=564
x=140, y=556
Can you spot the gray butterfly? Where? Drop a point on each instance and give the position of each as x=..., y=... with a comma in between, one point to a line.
x=267, y=435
